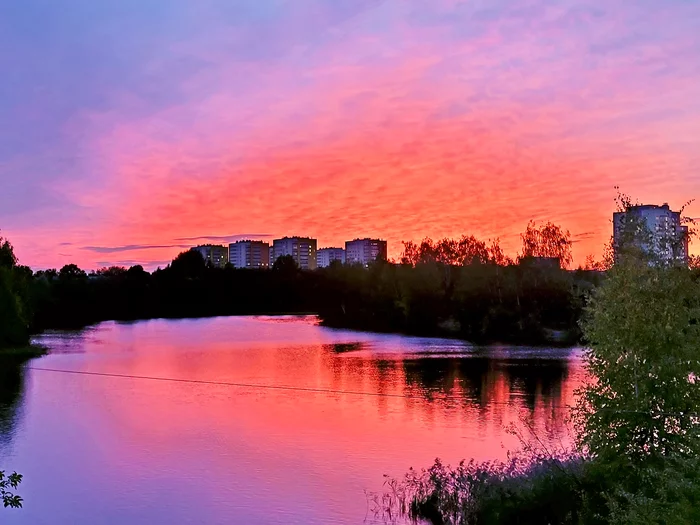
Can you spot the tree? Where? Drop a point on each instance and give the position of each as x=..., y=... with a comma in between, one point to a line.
x=286, y=265
x=189, y=264
x=13, y=321
x=548, y=240
x=112, y=272
x=13, y=326
x=638, y=419
x=7, y=254
x=464, y=251
x=643, y=332
x=71, y=271
x=8, y=484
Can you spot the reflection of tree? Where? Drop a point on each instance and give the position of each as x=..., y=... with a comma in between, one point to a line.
x=340, y=348
x=485, y=380
x=11, y=392
x=498, y=386
x=533, y=379
x=446, y=375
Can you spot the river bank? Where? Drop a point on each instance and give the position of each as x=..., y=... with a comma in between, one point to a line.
x=25, y=352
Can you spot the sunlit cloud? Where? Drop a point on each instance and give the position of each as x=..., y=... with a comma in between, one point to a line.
x=342, y=119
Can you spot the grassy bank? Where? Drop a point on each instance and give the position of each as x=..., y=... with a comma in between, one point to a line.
x=547, y=490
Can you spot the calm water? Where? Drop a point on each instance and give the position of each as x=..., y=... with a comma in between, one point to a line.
x=349, y=407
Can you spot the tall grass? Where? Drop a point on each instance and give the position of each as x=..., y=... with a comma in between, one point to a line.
x=521, y=490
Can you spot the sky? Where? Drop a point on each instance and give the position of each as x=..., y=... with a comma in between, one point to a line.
x=132, y=129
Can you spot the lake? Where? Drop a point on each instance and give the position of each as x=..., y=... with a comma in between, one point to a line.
x=258, y=419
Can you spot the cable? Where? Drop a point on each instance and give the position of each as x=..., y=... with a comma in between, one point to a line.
x=323, y=390
x=263, y=386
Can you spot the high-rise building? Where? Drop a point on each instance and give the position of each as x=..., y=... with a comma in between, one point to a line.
x=365, y=251
x=656, y=230
x=325, y=256
x=213, y=254
x=249, y=254
x=302, y=250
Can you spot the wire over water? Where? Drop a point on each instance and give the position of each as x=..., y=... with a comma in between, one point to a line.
x=324, y=390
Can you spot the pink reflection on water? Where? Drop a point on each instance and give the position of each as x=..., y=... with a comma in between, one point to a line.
x=382, y=404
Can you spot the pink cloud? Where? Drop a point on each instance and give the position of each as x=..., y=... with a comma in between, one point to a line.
x=410, y=131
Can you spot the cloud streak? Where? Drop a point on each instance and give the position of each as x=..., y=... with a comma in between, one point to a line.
x=130, y=248
x=342, y=119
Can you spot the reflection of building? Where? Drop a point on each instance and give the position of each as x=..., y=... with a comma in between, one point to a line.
x=325, y=256
x=654, y=229
x=249, y=254
x=302, y=250
x=213, y=254
x=365, y=251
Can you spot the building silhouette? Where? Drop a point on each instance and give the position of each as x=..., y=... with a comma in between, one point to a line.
x=213, y=254
x=249, y=254
x=325, y=256
x=365, y=251
x=655, y=230
x=301, y=249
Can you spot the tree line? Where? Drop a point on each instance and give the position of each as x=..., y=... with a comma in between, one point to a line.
x=464, y=287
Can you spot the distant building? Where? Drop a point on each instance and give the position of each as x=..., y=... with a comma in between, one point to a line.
x=302, y=250
x=665, y=237
x=365, y=251
x=213, y=254
x=325, y=256
x=249, y=254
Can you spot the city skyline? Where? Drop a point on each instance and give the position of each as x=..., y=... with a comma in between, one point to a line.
x=131, y=130
x=392, y=255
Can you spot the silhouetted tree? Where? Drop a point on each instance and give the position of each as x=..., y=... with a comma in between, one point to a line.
x=547, y=240
x=189, y=264
x=70, y=272
x=286, y=265
x=453, y=252
x=7, y=254
x=14, y=326
x=111, y=272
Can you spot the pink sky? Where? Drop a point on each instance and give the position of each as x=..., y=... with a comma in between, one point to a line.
x=138, y=131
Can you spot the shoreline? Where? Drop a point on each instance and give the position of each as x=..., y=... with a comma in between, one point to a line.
x=542, y=341
x=29, y=351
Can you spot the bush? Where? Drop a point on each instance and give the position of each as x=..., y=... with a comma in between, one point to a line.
x=546, y=489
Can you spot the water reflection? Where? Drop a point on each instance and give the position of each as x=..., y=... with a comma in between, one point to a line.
x=11, y=395
x=472, y=377
x=278, y=420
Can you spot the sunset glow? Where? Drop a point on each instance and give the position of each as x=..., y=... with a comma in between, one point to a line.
x=133, y=131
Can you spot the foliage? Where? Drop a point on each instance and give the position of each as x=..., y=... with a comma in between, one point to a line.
x=478, y=302
x=667, y=493
x=14, y=304
x=643, y=334
x=454, y=252
x=189, y=264
x=7, y=254
x=534, y=486
x=547, y=240
x=285, y=265
x=12, y=326
x=463, y=288
x=639, y=418
x=638, y=426
x=8, y=484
